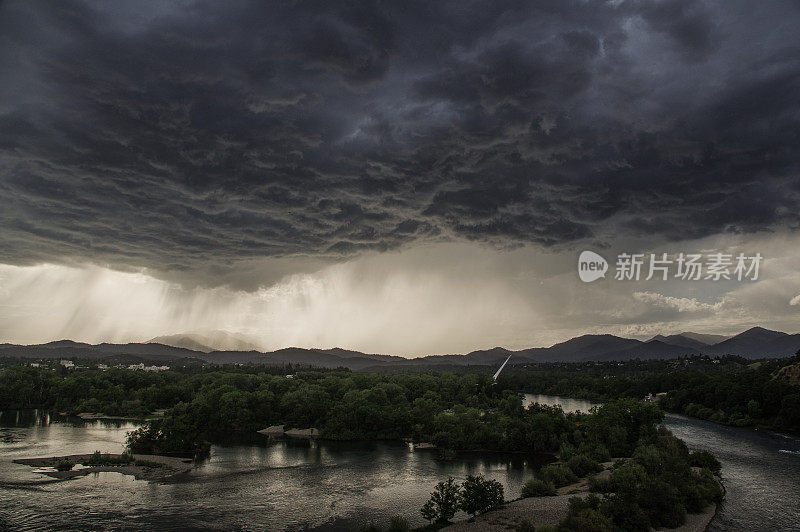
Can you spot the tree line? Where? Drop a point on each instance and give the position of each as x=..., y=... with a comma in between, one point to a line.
x=455, y=412
x=732, y=391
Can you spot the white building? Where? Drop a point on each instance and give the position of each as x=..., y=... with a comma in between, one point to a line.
x=156, y=368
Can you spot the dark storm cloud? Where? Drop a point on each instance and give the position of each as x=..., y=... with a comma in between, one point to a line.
x=196, y=135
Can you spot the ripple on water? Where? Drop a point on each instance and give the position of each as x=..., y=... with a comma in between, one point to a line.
x=299, y=485
x=761, y=481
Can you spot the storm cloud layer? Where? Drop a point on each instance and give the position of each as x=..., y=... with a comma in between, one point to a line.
x=200, y=135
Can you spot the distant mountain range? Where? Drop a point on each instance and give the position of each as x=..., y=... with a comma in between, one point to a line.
x=209, y=341
x=753, y=343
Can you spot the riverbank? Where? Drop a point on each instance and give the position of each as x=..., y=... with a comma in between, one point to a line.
x=94, y=416
x=531, y=511
x=295, y=479
x=140, y=466
x=550, y=510
x=586, y=401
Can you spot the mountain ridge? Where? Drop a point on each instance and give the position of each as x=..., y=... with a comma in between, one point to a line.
x=756, y=342
x=208, y=341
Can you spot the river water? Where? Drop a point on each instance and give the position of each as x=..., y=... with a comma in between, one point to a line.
x=333, y=486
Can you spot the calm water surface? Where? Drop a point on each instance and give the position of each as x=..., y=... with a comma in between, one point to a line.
x=760, y=470
x=283, y=486
x=333, y=486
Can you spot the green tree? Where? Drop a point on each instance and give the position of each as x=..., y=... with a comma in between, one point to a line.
x=586, y=516
x=558, y=474
x=535, y=487
x=398, y=524
x=582, y=465
x=429, y=511
x=443, y=504
x=479, y=495
x=705, y=459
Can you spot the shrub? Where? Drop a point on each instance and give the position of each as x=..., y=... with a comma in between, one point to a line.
x=627, y=478
x=559, y=474
x=582, y=465
x=148, y=463
x=566, y=451
x=600, y=453
x=705, y=459
x=429, y=511
x=443, y=504
x=662, y=502
x=702, y=491
x=442, y=440
x=95, y=459
x=525, y=526
x=146, y=439
x=600, y=485
x=586, y=516
x=535, y=487
x=64, y=465
x=398, y=524
x=100, y=459
x=626, y=513
x=479, y=495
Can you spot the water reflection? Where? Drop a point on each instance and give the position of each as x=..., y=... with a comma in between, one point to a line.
x=761, y=481
x=286, y=485
x=295, y=485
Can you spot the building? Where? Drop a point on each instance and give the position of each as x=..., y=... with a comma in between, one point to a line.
x=156, y=368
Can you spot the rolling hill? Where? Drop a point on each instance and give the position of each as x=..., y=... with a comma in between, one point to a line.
x=207, y=342
x=753, y=343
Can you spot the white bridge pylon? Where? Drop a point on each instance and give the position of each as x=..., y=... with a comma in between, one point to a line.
x=501, y=369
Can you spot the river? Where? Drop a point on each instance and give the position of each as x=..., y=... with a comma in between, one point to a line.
x=334, y=486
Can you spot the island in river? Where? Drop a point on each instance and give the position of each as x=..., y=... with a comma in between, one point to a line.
x=339, y=486
x=457, y=412
x=140, y=466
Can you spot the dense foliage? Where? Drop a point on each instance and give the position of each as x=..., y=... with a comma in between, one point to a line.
x=558, y=475
x=479, y=495
x=728, y=390
x=535, y=487
x=656, y=488
x=443, y=504
x=751, y=397
x=652, y=484
x=475, y=495
x=116, y=392
x=731, y=390
x=455, y=412
x=561, y=474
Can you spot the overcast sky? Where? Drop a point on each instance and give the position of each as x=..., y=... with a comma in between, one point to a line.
x=398, y=177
